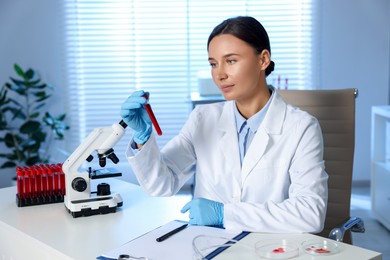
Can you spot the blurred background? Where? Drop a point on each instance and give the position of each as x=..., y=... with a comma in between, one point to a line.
x=95, y=53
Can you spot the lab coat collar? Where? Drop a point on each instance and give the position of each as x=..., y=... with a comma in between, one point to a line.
x=228, y=142
x=271, y=125
x=273, y=120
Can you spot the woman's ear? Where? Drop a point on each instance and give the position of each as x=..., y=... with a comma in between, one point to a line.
x=264, y=59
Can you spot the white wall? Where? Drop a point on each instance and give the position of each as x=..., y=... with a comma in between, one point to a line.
x=354, y=53
x=30, y=35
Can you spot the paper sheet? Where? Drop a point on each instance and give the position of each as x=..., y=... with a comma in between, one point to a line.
x=177, y=247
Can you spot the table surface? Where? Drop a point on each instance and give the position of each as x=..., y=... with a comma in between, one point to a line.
x=50, y=232
x=53, y=231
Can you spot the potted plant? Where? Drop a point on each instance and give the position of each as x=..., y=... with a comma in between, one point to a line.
x=26, y=130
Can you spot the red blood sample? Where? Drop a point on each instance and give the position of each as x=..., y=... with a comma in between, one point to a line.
x=278, y=250
x=20, y=183
x=322, y=251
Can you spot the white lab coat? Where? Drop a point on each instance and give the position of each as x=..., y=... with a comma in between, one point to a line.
x=281, y=186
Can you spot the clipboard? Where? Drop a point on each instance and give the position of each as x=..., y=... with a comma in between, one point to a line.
x=179, y=246
x=221, y=249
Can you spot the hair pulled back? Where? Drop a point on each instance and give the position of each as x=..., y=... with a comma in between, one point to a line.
x=247, y=29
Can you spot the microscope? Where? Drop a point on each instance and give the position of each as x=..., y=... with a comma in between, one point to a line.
x=79, y=199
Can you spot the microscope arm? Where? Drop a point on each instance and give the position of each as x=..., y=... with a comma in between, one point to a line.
x=100, y=140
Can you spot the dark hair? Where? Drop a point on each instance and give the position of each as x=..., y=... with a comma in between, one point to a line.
x=247, y=29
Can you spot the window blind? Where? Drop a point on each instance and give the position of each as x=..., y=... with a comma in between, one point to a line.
x=114, y=47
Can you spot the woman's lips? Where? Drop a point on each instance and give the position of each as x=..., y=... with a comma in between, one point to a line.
x=226, y=88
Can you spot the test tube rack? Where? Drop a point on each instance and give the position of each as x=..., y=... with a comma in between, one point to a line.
x=39, y=184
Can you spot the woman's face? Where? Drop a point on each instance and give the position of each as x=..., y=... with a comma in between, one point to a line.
x=236, y=68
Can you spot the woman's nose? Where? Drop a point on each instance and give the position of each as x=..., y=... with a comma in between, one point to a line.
x=221, y=73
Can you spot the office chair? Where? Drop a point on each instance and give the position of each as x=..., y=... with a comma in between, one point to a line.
x=335, y=111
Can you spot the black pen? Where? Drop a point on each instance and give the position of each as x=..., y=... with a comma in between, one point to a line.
x=171, y=233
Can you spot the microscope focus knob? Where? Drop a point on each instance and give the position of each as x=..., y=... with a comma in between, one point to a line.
x=103, y=189
x=79, y=184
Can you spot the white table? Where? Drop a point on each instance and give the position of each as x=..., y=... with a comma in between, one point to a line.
x=50, y=232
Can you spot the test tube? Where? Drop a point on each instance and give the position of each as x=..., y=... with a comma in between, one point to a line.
x=34, y=186
x=28, y=182
x=50, y=181
x=20, y=182
x=56, y=180
x=45, y=181
x=38, y=178
x=62, y=179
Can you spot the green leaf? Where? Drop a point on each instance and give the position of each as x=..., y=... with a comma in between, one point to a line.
x=33, y=160
x=32, y=84
x=31, y=150
x=48, y=119
x=9, y=156
x=15, y=102
x=34, y=115
x=3, y=126
x=18, y=87
x=16, y=112
x=9, y=140
x=61, y=117
x=18, y=81
x=39, y=136
x=40, y=94
x=8, y=85
x=29, y=74
x=29, y=146
x=42, y=86
x=3, y=95
x=39, y=106
x=8, y=164
x=42, y=98
x=30, y=127
x=59, y=133
x=19, y=71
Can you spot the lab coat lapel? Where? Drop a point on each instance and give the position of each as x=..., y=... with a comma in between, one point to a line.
x=228, y=143
x=271, y=125
x=255, y=152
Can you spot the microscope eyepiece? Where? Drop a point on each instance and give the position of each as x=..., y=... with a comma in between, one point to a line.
x=113, y=158
x=90, y=158
x=123, y=124
x=110, y=155
x=102, y=161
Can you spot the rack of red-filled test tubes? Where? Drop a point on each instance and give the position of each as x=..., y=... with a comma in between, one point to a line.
x=39, y=184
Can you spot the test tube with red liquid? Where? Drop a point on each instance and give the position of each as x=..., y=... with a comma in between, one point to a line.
x=40, y=184
x=152, y=117
x=38, y=181
x=62, y=179
x=20, y=182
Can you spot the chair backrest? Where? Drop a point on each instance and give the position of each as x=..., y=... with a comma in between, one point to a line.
x=335, y=111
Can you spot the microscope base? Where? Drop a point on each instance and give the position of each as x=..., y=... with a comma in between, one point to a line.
x=94, y=205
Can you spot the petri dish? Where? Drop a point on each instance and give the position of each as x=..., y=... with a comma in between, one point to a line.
x=320, y=247
x=276, y=249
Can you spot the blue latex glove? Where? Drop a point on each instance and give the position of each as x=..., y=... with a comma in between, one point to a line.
x=204, y=212
x=135, y=116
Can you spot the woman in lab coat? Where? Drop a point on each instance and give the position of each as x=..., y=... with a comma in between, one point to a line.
x=258, y=161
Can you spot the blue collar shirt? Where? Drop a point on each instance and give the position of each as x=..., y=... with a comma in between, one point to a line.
x=247, y=128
